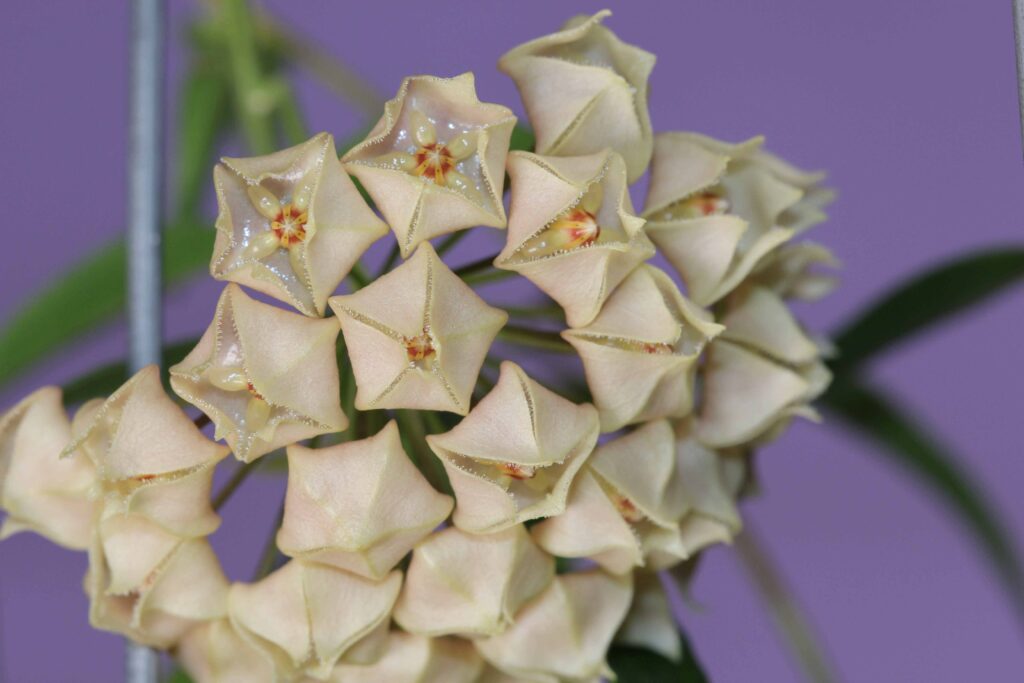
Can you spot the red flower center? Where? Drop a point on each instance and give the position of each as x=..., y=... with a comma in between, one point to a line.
x=434, y=161
x=290, y=225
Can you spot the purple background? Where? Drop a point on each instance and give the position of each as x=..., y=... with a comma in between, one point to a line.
x=910, y=106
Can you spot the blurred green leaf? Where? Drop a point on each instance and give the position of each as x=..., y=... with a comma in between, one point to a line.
x=522, y=138
x=203, y=115
x=927, y=299
x=179, y=676
x=905, y=443
x=104, y=380
x=640, y=665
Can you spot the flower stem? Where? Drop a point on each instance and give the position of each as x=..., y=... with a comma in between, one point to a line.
x=270, y=553
x=475, y=268
x=391, y=260
x=251, y=101
x=538, y=339
x=445, y=245
x=231, y=485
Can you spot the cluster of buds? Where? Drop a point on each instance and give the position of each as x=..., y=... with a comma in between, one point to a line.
x=439, y=526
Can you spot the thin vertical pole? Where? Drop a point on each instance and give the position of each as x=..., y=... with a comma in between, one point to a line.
x=144, y=209
x=1018, y=30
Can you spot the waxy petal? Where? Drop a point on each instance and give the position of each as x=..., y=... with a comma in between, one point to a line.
x=359, y=506
x=468, y=141
x=515, y=455
x=580, y=274
x=759, y=319
x=410, y=658
x=649, y=623
x=39, y=491
x=284, y=362
x=214, y=653
x=339, y=226
x=466, y=584
x=640, y=353
x=417, y=337
x=565, y=632
x=793, y=271
x=585, y=90
x=306, y=616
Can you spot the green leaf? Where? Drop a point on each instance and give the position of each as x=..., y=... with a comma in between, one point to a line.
x=908, y=445
x=640, y=665
x=88, y=295
x=179, y=676
x=204, y=113
x=927, y=299
x=105, y=380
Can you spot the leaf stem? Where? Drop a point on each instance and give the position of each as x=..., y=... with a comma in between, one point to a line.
x=231, y=485
x=476, y=267
x=538, y=339
x=251, y=96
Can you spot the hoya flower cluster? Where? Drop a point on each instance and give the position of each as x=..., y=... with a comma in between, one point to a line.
x=521, y=536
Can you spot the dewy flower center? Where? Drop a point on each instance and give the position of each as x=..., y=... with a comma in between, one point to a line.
x=434, y=161
x=289, y=226
x=517, y=471
x=578, y=228
x=420, y=348
x=627, y=508
x=700, y=205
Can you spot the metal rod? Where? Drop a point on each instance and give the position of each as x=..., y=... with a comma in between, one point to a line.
x=141, y=663
x=1018, y=30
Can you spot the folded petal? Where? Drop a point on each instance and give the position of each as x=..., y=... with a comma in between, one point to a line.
x=410, y=658
x=359, y=506
x=649, y=623
x=213, y=652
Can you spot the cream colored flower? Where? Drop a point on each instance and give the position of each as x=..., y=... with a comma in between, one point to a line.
x=649, y=623
x=435, y=162
x=513, y=458
x=469, y=584
x=149, y=584
x=150, y=459
x=359, y=506
x=213, y=652
x=711, y=514
x=417, y=337
x=307, y=616
x=410, y=658
x=572, y=230
x=564, y=634
x=717, y=209
x=266, y=377
x=584, y=90
x=794, y=271
x=640, y=353
x=39, y=491
x=762, y=371
x=291, y=223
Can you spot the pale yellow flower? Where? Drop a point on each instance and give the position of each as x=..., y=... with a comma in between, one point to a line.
x=572, y=229
x=469, y=584
x=435, y=161
x=513, y=458
x=649, y=624
x=291, y=224
x=717, y=209
x=39, y=491
x=640, y=353
x=564, y=633
x=584, y=90
x=149, y=584
x=265, y=377
x=409, y=658
x=306, y=617
x=213, y=652
x=359, y=506
x=417, y=337
x=795, y=271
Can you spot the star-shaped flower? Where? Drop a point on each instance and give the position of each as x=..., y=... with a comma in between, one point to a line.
x=717, y=209
x=410, y=658
x=264, y=376
x=305, y=617
x=762, y=371
x=435, y=162
x=150, y=459
x=149, y=584
x=640, y=353
x=213, y=652
x=359, y=506
x=39, y=491
x=513, y=458
x=585, y=90
x=572, y=230
x=417, y=337
x=471, y=584
x=564, y=633
x=291, y=224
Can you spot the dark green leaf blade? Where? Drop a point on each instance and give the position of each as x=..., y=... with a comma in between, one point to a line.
x=640, y=665
x=927, y=299
x=88, y=295
x=871, y=413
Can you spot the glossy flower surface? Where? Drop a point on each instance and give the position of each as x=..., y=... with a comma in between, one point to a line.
x=572, y=230
x=359, y=506
x=471, y=584
x=306, y=617
x=585, y=90
x=265, y=377
x=417, y=337
x=435, y=162
x=291, y=223
x=514, y=456
x=39, y=491
x=640, y=353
